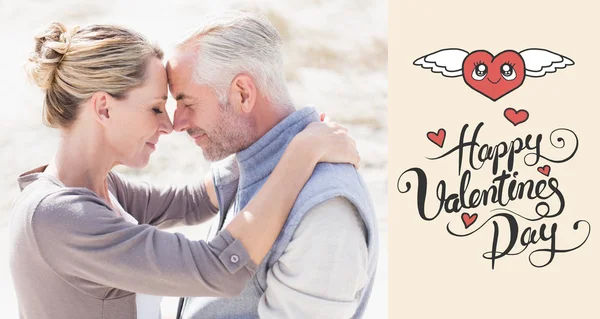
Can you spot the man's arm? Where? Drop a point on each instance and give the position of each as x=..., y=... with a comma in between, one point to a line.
x=322, y=268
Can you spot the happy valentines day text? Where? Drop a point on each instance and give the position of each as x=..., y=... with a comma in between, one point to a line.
x=506, y=187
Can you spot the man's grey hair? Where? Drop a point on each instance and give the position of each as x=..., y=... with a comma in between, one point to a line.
x=239, y=42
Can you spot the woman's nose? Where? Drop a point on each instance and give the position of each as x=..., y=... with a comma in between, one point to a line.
x=166, y=126
x=181, y=119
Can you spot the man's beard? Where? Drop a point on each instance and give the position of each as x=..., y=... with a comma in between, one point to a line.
x=230, y=134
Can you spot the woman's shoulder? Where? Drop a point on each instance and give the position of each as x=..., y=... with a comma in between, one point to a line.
x=49, y=200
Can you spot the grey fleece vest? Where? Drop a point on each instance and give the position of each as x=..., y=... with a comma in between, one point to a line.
x=328, y=181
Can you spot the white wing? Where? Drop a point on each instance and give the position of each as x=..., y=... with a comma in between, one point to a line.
x=538, y=62
x=445, y=61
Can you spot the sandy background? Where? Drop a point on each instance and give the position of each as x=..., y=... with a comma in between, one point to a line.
x=336, y=59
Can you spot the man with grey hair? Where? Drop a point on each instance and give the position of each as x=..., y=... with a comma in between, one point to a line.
x=232, y=98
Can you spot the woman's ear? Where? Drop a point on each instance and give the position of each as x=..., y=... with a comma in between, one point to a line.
x=243, y=92
x=100, y=105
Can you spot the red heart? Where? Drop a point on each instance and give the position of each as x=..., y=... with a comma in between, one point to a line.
x=494, y=76
x=468, y=220
x=544, y=170
x=438, y=138
x=516, y=117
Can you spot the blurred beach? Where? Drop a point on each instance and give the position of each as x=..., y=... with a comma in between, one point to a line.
x=336, y=61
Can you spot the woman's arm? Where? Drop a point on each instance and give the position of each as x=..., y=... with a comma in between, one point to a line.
x=90, y=247
x=168, y=206
x=209, y=185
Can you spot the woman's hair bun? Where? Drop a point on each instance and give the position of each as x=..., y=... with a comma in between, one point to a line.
x=51, y=46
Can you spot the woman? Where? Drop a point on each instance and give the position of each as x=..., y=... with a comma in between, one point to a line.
x=80, y=239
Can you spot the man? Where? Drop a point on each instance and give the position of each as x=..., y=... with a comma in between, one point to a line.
x=232, y=98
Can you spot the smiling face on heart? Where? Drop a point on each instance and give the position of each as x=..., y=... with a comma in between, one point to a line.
x=494, y=76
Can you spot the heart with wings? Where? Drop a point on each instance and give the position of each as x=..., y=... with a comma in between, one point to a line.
x=493, y=76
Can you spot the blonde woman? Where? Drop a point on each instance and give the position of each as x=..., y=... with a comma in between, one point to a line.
x=83, y=238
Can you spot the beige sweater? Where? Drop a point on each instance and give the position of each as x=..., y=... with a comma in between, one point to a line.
x=72, y=256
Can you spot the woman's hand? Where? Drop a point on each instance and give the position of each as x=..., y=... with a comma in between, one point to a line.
x=330, y=142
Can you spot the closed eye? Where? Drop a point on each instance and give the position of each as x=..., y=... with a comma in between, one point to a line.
x=156, y=110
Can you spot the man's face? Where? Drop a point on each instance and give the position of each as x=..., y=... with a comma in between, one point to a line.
x=220, y=130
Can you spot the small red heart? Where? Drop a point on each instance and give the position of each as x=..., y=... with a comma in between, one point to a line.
x=468, y=220
x=516, y=117
x=437, y=139
x=544, y=170
x=494, y=76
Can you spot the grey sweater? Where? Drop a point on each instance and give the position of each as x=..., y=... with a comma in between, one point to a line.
x=72, y=256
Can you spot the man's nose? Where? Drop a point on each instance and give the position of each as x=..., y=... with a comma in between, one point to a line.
x=181, y=119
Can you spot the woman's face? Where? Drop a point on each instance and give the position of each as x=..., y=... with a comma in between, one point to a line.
x=138, y=120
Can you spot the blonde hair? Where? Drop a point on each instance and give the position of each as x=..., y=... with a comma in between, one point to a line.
x=238, y=42
x=70, y=65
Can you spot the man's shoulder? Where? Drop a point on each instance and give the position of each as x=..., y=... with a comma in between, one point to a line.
x=330, y=180
x=330, y=173
x=332, y=184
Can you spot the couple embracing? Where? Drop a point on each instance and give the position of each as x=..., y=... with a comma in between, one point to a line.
x=293, y=232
